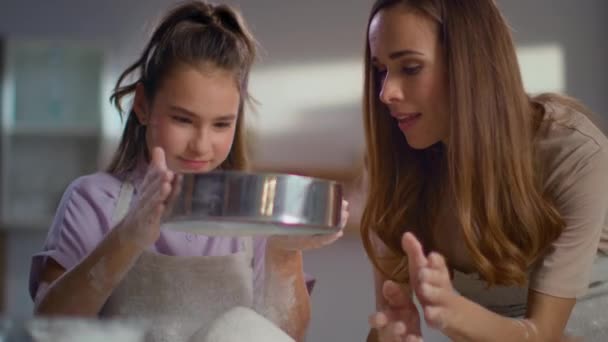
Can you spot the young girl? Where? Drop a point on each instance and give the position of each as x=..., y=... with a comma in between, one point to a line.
x=473, y=185
x=105, y=253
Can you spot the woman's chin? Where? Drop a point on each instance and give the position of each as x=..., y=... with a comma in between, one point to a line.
x=418, y=144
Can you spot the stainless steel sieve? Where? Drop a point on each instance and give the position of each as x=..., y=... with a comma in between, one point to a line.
x=242, y=203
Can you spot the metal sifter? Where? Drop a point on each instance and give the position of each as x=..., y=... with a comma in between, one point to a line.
x=242, y=203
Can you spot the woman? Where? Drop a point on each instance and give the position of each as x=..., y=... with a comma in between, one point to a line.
x=474, y=185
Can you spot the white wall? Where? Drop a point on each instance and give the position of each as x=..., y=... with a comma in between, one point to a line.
x=297, y=35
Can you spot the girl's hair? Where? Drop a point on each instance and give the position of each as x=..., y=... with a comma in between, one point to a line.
x=192, y=33
x=487, y=173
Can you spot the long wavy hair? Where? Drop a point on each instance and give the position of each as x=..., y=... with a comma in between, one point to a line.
x=487, y=172
x=192, y=33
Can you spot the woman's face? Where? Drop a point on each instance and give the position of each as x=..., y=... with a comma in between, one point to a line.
x=411, y=70
x=193, y=118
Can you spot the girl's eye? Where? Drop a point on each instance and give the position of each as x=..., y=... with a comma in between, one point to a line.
x=225, y=124
x=181, y=119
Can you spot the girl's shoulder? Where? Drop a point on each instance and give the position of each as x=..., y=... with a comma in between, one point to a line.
x=90, y=199
x=97, y=187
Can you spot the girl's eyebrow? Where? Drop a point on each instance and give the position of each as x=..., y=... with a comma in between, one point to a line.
x=182, y=110
x=187, y=112
x=226, y=117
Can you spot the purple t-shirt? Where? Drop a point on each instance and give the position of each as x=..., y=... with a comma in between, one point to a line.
x=85, y=215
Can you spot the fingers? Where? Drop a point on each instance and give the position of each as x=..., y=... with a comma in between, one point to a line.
x=378, y=320
x=436, y=291
x=154, y=174
x=430, y=294
x=330, y=239
x=156, y=214
x=415, y=257
x=435, y=317
x=434, y=281
x=318, y=241
x=158, y=158
x=159, y=188
x=389, y=331
x=437, y=262
x=431, y=276
x=436, y=273
x=158, y=182
x=302, y=243
x=412, y=247
x=176, y=188
x=156, y=190
x=393, y=331
x=395, y=295
x=344, y=214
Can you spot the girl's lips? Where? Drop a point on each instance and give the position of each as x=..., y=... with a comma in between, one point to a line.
x=194, y=165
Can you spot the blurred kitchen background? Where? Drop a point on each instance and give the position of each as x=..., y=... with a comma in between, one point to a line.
x=59, y=60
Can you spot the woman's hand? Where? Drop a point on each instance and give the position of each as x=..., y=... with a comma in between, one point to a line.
x=300, y=243
x=399, y=321
x=159, y=189
x=430, y=280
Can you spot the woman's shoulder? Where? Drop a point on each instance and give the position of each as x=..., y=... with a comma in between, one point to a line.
x=569, y=139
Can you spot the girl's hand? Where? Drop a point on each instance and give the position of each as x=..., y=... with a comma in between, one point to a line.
x=399, y=321
x=159, y=189
x=430, y=280
x=300, y=243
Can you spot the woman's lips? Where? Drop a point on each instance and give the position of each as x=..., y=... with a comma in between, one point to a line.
x=407, y=120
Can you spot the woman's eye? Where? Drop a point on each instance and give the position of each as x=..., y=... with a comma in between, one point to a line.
x=381, y=73
x=412, y=70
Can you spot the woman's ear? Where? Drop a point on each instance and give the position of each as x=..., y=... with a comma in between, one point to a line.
x=140, y=104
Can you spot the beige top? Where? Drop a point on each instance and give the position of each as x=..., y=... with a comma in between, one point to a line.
x=575, y=157
x=575, y=153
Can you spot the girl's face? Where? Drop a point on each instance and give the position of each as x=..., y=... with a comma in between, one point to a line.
x=409, y=66
x=192, y=117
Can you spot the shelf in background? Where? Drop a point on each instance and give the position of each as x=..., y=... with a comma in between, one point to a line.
x=59, y=131
x=51, y=125
x=25, y=224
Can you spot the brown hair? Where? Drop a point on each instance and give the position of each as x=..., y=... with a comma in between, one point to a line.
x=486, y=171
x=191, y=33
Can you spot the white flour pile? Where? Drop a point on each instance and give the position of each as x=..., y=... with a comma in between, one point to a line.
x=75, y=330
x=243, y=324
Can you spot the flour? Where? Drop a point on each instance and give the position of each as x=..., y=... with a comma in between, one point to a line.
x=97, y=275
x=101, y=280
x=78, y=330
x=41, y=292
x=279, y=299
x=179, y=295
x=243, y=324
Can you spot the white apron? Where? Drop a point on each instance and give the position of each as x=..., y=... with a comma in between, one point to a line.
x=180, y=296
